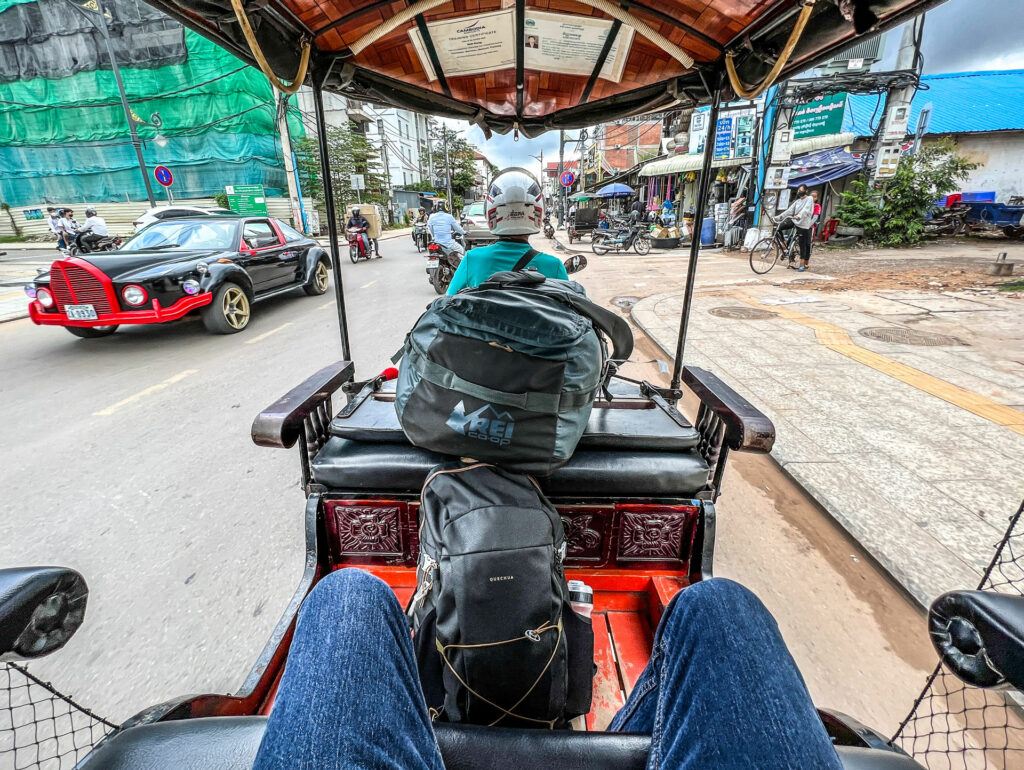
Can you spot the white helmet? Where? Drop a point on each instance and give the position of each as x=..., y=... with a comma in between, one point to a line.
x=515, y=205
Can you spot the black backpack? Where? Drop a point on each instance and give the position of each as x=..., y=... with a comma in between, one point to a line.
x=497, y=641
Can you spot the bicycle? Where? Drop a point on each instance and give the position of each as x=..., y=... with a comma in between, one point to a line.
x=766, y=252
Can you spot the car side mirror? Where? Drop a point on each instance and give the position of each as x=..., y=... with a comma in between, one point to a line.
x=40, y=610
x=575, y=263
x=980, y=637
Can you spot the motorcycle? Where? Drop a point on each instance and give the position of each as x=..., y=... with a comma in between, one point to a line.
x=549, y=229
x=631, y=235
x=420, y=236
x=357, y=248
x=442, y=262
x=106, y=243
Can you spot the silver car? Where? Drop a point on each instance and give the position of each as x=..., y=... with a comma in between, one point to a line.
x=474, y=222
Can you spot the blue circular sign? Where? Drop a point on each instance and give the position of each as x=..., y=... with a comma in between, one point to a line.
x=568, y=179
x=163, y=175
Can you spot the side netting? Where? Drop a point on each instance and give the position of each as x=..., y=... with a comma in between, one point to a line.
x=66, y=138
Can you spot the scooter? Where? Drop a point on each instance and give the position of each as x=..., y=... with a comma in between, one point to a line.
x=549, y=229
x=442, y=262
x=107, y=243
x=356, y=247
x=420, y=236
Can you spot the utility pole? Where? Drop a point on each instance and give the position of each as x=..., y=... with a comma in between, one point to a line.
x=430, y=153
x=895, y=121
x=561, y=187
x=289, y=163
x=583, y=148
x=447, y=168
x=100, y=23
x=387, y=164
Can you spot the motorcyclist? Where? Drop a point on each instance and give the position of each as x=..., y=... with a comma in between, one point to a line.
x=358, y=222
x=443, y=226
x=514, y=209
x=92, y=231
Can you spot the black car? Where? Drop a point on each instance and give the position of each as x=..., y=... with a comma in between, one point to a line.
x=217, y=266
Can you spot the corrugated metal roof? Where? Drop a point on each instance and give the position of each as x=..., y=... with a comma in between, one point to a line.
x=962, y=102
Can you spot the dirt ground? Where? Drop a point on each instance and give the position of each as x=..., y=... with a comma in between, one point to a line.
x=958, y=264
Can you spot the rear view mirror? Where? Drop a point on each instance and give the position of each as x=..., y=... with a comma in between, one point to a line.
x=40, y=609
x=575, y=263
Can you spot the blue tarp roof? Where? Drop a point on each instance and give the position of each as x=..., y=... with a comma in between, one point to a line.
x=961, y=102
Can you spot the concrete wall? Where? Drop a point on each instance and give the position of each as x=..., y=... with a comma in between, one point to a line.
x=1001, y=155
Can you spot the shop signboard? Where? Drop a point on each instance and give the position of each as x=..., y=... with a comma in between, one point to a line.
x=723, y=139
x=820, y=117
x=733, y=134
x=246, y=199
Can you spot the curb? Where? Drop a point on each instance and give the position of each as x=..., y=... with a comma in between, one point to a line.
x=898, y=575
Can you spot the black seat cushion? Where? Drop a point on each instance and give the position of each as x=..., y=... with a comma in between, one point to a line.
x=231, y=743
x=648, y=429
x=343, y=464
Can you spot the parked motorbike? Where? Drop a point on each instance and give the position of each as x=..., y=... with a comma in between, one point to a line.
x=549, y=229
x=442, y=262
x=631, y=235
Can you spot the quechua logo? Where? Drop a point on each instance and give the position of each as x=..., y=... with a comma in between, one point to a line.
x=485, y=424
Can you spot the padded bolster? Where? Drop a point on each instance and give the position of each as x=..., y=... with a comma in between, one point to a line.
x=980, y=636
x=231, y=743
x=643, y=429
x=40, y=609
x=356, y=465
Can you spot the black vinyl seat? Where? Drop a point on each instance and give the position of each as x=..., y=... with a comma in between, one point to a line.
x=231, y=743
x=344, y=464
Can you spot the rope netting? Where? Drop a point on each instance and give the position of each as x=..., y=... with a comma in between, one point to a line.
x=955, y=726
x=39, y=727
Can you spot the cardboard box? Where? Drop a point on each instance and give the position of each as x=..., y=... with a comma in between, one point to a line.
x=372, y=215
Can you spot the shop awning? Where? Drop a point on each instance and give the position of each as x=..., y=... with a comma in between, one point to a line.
x=680, y=163
x=815, y=168
x=812, y=143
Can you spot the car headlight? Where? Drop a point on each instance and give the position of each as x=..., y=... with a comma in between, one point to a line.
x=190, y=286
x=44, y=297
x=133, y=295
x=30, y=290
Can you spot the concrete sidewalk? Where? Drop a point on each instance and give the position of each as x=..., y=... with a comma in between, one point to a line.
x=901, y=412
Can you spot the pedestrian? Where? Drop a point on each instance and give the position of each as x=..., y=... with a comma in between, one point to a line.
x=54, y=223
x=817, y=213
x=799, y=216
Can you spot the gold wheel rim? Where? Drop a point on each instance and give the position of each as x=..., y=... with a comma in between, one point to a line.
x=321, y=276
x=236, y=308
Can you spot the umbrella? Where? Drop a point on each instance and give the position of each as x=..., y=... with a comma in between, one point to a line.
x=581, y=196
x=615, y=191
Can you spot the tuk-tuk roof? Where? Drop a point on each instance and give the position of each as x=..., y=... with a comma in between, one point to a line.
x=534, y=65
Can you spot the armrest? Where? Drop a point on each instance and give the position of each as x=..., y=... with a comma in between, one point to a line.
x=280, y=424
x=980, y=636
x=40, y=609
x=746, y=428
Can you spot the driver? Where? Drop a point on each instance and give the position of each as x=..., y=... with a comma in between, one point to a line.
x=721, y=691
x=358, y=222
x=93, y=230
x=514, y=206
x=443, y=226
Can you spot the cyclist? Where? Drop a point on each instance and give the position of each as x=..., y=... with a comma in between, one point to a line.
x=799, y=215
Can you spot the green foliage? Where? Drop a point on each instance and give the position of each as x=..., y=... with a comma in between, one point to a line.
x=6, y=207
x=461, y=156
x=349, y=152
x=894, y=216
x=221, y=199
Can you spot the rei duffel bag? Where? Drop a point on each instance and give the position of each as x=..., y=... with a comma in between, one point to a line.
x=507, y=372
x=497, y=640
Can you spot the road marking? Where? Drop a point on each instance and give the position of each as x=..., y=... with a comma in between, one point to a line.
x=326, y=305
x=838, y=339
x=368, y=285
x=143, y=393
x=267, y=334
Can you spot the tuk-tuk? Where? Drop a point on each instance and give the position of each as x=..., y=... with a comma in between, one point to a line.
x=637, y=498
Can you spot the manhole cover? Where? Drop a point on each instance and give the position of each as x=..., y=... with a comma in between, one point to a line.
x=625, y=302
x=908, y=336
x=742, y=313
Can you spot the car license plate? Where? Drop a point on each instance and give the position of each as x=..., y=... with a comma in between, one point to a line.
x=80, y=312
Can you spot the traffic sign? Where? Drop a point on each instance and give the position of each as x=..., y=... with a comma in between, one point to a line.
x=246, y=198
x=163, y=175
x=568, y=179
x=358, y=182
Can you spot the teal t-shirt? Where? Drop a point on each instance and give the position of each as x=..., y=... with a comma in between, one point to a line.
x=481, y=263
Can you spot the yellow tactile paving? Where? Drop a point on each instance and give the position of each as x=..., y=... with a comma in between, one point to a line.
x=838, y=339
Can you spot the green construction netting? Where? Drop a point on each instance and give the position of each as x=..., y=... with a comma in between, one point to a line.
x=67, y=138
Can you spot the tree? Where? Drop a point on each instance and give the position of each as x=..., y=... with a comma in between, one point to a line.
x=349, y=152
x=894, y=215
x=461, y=154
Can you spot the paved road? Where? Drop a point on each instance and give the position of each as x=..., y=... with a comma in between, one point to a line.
x=129, y=459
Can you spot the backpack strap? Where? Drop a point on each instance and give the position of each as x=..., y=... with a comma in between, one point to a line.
x=524, y=260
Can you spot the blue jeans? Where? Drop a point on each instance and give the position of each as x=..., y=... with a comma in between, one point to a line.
x=721, y=691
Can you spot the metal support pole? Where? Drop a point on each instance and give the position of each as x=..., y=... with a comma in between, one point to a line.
x=698, y=220
x=101, y=24
x=332, y=222
x=447, y=170
x=561, y=187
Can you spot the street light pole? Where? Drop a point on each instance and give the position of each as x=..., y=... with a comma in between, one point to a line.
x=136, y=143
x=447, y=168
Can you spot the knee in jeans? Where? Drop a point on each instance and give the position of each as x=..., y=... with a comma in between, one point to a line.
x=716, y=596
x=347, y=586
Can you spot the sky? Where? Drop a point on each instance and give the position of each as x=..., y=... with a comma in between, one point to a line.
x=959, y=36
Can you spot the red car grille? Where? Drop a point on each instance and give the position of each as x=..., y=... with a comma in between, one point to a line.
x=74, y=285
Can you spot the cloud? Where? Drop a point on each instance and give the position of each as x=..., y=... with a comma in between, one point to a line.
x=503, y=150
